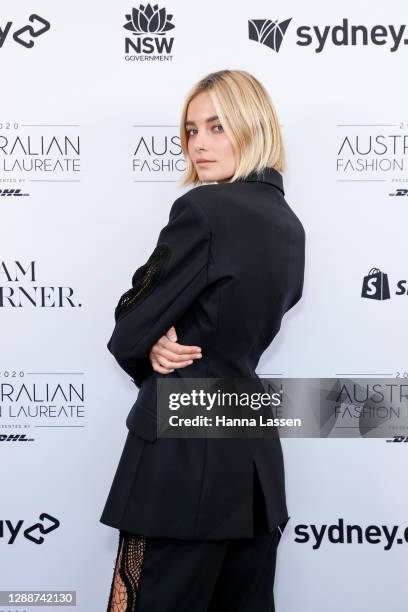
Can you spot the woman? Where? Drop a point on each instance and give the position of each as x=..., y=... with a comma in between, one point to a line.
x=200, y=519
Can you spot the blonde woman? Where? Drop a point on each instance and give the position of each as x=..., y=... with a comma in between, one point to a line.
x=200, y=519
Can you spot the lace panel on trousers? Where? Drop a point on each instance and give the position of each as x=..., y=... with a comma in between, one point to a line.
x=144, y=280
x=126, y=577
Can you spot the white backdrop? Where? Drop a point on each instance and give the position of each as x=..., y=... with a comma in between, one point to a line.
x=90, y=137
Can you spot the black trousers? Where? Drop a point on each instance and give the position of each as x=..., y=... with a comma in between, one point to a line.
x=173, y=575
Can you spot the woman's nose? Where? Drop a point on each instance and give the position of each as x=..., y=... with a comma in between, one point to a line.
x=200, y=146
x=201, y=140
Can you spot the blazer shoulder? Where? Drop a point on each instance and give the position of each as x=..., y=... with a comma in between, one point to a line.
x=204, y=193
x=188, y=210
x=207, y=197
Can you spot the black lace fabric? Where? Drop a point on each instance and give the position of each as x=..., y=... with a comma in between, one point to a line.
x=127, y=570
x=144, y=280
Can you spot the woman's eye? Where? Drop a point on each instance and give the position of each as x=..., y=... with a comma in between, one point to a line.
x=191, y=130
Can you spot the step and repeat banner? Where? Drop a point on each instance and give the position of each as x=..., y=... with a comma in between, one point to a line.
x=90, y=164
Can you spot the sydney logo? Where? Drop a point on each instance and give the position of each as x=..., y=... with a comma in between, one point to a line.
x=268, y=32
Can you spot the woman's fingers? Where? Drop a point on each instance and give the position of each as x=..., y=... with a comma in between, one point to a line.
x=174, y=357
x=177, y=348
x=158, y=368
x=171, y=334
x=174, y=352
x=167, y=363
x=166, y=354
x=160, y=364
x=171, y=361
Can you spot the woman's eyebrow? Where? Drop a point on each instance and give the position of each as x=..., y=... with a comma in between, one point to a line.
x=213, y=118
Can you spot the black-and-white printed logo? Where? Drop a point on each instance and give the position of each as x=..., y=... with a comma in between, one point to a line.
x=377, y=287
x=149, y=26
x=12, y=193
x=353, y=533
x=23, y=36
x=15, y=438
x=398, y=439
x=268, y=32
x=38, y=153
x=399, y=193
x=19, y=289
x=271, y=34
x=9, y=530
x=368, y=151
x=42, y=400
x=157, y=154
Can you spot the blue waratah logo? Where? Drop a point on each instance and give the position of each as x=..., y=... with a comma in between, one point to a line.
x=149, y=20
x=268, y=32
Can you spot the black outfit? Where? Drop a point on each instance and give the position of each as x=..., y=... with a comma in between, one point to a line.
x=226, y=268
x=170, y=575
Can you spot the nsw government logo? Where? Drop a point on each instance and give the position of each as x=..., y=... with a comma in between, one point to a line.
x=149, y=26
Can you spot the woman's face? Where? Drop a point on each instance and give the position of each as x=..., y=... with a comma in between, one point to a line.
x=207, y=141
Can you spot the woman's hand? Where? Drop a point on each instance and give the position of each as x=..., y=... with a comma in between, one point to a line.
x=167, y=354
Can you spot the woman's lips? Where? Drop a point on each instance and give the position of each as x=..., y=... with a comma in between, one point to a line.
x=204, y=161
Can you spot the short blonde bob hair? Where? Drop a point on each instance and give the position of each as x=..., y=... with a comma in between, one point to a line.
x=249, y=119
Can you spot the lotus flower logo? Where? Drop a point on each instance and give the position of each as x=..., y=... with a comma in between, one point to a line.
x=149, y=20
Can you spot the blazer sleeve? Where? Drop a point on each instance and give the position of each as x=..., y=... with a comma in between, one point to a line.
x=163, y=288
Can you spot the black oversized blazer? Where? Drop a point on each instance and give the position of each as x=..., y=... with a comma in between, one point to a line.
x=226, y=268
